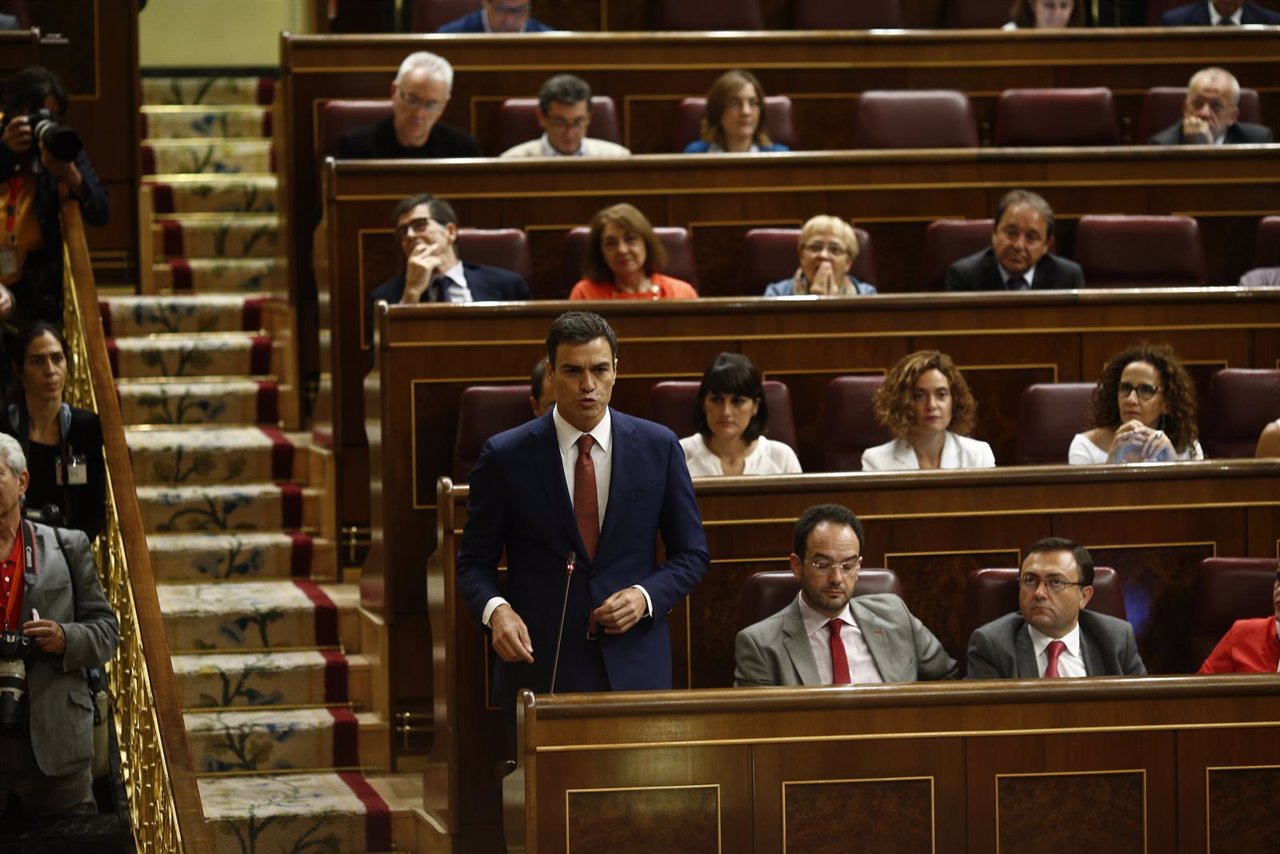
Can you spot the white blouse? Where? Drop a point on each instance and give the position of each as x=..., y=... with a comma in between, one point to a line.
x=1085, y=453
x=768, y=457
x=958, y=452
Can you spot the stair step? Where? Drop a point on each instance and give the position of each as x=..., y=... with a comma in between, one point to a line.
x=216, y=236
x=259, y=615
x=208, y=90
x=230, y=507
x=190, y=194
x=221, y=275
x=224, y=354
x=135, y=315
x=284, y=739
x=221, y=403
x=223, y=455
x=257, y=679
x=240, y=555
x=205, y=121
x=201, y=157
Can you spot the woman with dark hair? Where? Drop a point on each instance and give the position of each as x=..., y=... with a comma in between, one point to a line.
x=63, y=444
x=623, y=260
x=732, y=416
x=926, y=404
x=1045, y=14
x=735, y=117
x=1143, y=410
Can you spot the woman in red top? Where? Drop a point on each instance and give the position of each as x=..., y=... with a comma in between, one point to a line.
x=623, y=260
x=1251, y=646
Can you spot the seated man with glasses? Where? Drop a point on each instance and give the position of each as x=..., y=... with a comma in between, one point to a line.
x=1051, y=635
x=1019, y=258
x=419, y=94
x=508, y=16
x=826, y=636
x=564, y=112
x=828, y=247
x=1209, y=114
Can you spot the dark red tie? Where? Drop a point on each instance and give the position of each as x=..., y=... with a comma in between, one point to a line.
x=839, y=660
x=1056, y=648
x=586, y=504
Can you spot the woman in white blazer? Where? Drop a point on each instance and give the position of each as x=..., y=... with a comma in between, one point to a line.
x=926, y=404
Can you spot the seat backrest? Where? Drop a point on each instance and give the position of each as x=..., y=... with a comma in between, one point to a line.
x=427, y=16
x=680, y=262
x=671, y=404
x=1226, y=589
x=1241, y=402
x=705, y=15
x=1040, y=117
x=851, y=422
x=1266, y=251
x=1049, y=416
x=518, y=122
x=939, y=118
x=1162, y=106
x=507, y=248
x=1139, y=251
x=771, y=254
x=1156, y=8
x=946, y=241
x=340, y=115
x=483, y=412
x=975, y=14
x=777, y=121
x=766, y=593
x=860, y=15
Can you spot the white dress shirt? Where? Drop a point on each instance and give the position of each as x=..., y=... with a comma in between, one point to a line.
x=1070, y=661
x=862, y=667
x=455, y=286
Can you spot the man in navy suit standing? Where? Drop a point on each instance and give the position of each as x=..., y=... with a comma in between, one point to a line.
x=1213, y=13
x=590, y=487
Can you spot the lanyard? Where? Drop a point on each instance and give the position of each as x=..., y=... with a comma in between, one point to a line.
x=12, y=616
x=11, y=208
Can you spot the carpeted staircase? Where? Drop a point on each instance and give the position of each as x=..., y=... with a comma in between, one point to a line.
x=266, y=637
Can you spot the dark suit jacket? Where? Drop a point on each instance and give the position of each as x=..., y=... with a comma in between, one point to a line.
x=378, y=142
x=65, y=588
x=1240, y=133
x=83, y=506
x=519, y=500
x=979, y=272
x=1197, y=15
x=776, y=650
x=474, y=23
x=1002, y=648
x=487, y=284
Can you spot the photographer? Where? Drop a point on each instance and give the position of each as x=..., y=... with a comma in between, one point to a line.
x=40, y=160
x=56, y=621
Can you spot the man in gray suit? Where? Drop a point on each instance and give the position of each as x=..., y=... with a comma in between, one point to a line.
x=1051, y=635
x=50, y=590
x=826, y=636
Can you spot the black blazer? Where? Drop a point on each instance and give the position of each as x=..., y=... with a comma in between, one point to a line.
x=979, y=272
x=84, y=506
x=1240, y=133
x=378, y=142
x=1197, y=15
x=487, y=284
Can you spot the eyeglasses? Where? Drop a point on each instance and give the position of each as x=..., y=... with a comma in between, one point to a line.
x=1055, y=583
x=847, y=567
x=416, y=103
x=742, y=103
x=835, y=250
x=1145, y=391
x=579, y=123
x=415, y=226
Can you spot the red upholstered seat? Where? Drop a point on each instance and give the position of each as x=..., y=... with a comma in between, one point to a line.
x=946, y=241
x=518, y=122
x=675, y=240
x=777, y=121
x=1241, y=402
x=1266, y=251
x=938, y=118
x=1049, y=415
x=771, y=254
x=485, y=411
x=1040, y=117
x=427, y=16
x=859, y=15
x=507, y=248
x=339, y=116
x=671, y=403
x=1162, y=106
x=705, y=15
x=1226, y=589
x=851, y=422
x=1140, y=251
x=766, y=593
x=975, y=14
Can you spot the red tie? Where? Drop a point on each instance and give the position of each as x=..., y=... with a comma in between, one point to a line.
x=1056, y=648
x=839, y=660
x=586, y=504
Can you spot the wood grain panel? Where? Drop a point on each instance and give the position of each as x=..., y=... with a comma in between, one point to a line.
x=1049, y=813
x=1238, y=819
x=825, y=817
x=684, y=820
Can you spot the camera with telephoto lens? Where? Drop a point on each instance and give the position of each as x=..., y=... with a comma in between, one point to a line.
x=15, y=647
x=58, y=139
x=48, y=514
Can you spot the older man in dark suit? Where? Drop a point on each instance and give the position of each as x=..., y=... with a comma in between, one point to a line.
x=1213, y=13
x=1210, y=113
x=1019, y=257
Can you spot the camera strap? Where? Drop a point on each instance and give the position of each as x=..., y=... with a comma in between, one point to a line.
x=13, y=585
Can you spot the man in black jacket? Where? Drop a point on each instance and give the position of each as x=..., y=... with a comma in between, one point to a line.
x=1210, y=113
x=1018, y=259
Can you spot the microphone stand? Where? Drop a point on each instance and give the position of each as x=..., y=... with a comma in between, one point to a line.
x=570, y=563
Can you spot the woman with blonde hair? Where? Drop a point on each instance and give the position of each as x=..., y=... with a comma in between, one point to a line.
x=828, y=247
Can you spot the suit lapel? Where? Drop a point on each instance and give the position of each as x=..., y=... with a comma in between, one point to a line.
x=796, y=642
x=619, y=448
x=873, y=633
x=1090, y=651
x=545, y=457
x=1024, y=654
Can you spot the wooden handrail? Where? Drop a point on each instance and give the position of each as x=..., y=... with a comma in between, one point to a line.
x=164, y=801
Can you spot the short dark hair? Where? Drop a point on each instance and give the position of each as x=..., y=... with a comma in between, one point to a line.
x=732, y=373
x=537, y=377
x=813, y=517
x=30, y=333
x=1025, y=197
x=579, y=327
x=628, y=218
x=563, y=89
x=440, y=210
x=1084, y=560
x=29, y=87
x=1023, y=14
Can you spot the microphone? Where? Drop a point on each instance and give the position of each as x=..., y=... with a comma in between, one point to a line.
x=570, y=563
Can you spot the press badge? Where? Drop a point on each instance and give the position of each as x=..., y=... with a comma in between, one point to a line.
x=77, y=472
x=8, y=261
